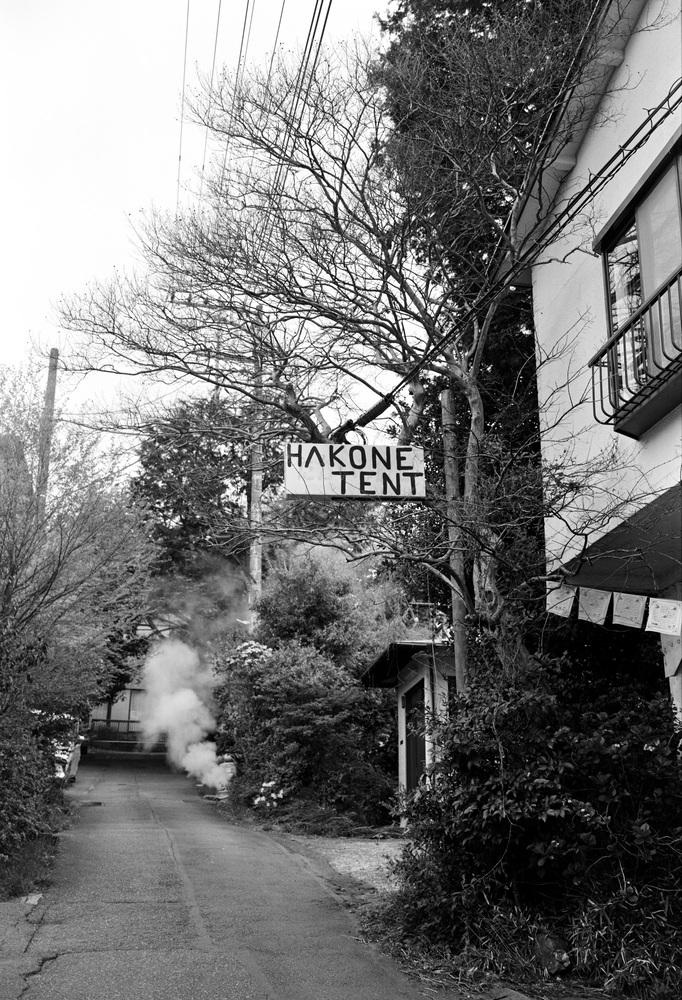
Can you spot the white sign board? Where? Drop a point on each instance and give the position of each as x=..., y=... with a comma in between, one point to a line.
x=354, y=471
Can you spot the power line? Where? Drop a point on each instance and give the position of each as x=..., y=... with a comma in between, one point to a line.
x=210, y=96
x=182, y=107
x=306, y=70
x=304, y=78
x=319, y=46
x=282, y=171
x=241, y=60
x=274, y=47
x=248, y=36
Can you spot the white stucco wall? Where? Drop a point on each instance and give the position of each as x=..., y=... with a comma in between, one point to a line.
x=570, y=305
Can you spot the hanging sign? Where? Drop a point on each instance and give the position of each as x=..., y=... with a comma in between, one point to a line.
x=593, y=605
x=354, y=471
x=628, y=609
x=560, y=600
x=664, y=616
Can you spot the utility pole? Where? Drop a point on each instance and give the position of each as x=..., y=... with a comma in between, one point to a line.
x=45, y=439
x=453, y=513
x=255, y=498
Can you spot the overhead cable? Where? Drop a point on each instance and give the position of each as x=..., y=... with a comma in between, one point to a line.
x=241, y=60
x=210, y=96
x=274, y=47
x=182, y=107
x=306, y=70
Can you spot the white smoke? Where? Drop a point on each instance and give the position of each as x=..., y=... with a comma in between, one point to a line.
x=179, y=705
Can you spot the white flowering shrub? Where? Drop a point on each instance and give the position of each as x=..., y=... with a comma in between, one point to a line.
x=269, y=797
x=303, y=729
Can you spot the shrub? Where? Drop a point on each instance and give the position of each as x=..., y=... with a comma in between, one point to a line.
x=319, y=600
x=557, y=815
x=302, y=730
x=27, y=787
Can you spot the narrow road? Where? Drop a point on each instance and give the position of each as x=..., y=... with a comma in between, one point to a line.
x=156, y=898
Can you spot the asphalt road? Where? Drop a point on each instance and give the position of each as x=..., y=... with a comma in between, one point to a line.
x=155, y=896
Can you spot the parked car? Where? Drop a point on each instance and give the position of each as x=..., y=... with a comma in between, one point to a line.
x=61, y=731
x=67, y=756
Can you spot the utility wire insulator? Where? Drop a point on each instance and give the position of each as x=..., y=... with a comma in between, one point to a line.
x=367, y=417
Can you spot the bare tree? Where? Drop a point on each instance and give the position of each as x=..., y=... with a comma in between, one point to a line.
x=325, y=251
x=72, y=558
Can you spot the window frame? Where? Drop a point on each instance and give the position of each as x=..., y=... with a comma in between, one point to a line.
x=634, y=363
x=628, y=220
x=638, y=192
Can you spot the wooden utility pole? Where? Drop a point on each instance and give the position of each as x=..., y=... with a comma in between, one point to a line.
x=455, y=541
x=45, y=440
x=255, y=504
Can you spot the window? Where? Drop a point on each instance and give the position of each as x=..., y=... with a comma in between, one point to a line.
x=633, y=374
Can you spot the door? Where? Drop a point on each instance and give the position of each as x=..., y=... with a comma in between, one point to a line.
x=415, y=742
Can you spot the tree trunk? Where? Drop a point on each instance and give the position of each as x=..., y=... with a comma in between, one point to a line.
x=455, y=540
x=46, y=427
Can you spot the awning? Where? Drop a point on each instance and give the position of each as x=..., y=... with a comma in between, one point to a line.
x=385, y=671
x=641, y=555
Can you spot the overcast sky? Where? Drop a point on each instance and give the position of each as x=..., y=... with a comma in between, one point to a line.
x=90, y=126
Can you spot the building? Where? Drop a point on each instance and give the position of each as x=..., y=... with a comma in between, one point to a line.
x=607, y=299
x=423, y=674
x=118, y=719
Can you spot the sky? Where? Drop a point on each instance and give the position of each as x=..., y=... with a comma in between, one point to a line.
x=90, y=120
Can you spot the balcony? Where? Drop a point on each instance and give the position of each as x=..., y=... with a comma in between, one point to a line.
x=637, y=374
x=120, y=730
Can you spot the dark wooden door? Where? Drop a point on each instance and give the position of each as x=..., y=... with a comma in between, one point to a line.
x=415, y=743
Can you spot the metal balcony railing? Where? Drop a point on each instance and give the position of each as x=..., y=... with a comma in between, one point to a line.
x=115, y=729
x=641, y=358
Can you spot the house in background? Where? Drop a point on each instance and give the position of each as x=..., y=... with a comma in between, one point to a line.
x=423, y=672
x=607, y=299
x=119, y=719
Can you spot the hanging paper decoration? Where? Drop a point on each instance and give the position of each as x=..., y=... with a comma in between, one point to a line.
x=672, y=653
x=664, y=616
x=593, y=605
x=560, y=600
x=628, y=609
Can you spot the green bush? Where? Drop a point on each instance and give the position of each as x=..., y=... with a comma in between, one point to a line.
x=27, y=786
x=557, y=815
x=305, y=734
x=317, y=599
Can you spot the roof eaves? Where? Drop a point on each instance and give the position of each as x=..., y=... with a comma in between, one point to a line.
x=385, y=670
x=615, y=22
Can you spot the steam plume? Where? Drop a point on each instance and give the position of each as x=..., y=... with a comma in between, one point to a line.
x=179, y=704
